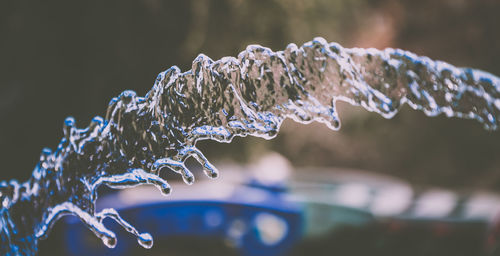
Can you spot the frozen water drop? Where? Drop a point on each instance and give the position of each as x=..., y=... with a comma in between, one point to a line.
x=145, y=240
x=109, y=241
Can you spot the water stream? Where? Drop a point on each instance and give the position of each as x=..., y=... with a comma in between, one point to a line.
x=217, y=100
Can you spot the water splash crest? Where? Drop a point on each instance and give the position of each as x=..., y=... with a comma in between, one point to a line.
x=217, y=100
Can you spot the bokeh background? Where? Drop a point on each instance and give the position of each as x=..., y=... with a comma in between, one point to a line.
x=61, y=58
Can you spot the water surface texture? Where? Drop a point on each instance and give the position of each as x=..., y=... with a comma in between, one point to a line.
x=217, y=100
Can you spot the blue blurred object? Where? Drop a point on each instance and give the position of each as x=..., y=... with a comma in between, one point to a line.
x=309, y=211
x=255, y=221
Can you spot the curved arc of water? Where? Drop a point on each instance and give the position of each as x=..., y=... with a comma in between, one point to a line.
x=217, y=100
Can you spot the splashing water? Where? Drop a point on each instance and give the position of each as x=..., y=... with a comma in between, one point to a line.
x=217, y=100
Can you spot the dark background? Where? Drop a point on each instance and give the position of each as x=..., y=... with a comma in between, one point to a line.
x=61, y=58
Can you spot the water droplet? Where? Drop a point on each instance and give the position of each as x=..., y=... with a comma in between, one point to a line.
x=145, y=240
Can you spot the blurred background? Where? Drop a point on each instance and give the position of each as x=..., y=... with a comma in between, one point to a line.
x=61, y=58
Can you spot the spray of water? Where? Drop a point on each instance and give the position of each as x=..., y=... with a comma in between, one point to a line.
x=217, y=100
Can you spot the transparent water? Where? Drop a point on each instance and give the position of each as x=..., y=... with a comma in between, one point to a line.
x=217, y=100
